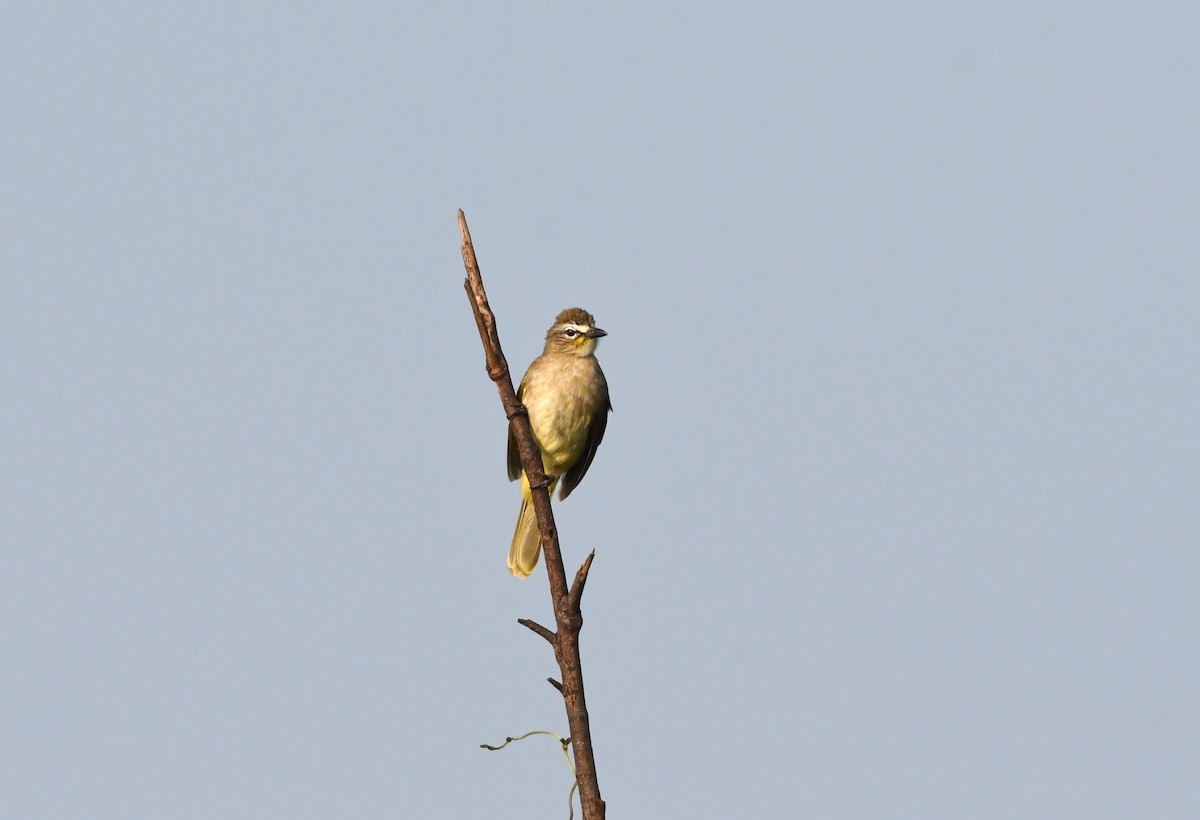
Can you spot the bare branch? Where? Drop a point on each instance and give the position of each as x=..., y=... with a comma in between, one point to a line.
x=567, y=614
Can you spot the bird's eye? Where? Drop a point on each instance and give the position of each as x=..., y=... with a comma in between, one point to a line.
x=571, y=333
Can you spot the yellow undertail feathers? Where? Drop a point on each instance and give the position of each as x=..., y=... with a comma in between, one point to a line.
x=527, y=539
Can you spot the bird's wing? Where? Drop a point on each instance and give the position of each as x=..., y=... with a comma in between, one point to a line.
x=575, y=474
x=514, y=452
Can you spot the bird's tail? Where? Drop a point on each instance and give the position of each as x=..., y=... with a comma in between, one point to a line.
x=527, y=540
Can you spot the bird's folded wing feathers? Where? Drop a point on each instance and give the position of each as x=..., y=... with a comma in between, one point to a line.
x=514, y=452
x=575, y=474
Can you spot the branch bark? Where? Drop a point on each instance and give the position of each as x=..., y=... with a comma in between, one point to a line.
x=568, y=615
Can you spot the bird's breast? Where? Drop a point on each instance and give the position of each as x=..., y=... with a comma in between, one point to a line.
x=562, y=397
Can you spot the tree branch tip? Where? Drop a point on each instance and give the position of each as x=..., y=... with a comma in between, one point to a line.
x=575, y=595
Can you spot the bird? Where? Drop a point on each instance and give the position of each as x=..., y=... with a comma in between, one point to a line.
x=566, y=397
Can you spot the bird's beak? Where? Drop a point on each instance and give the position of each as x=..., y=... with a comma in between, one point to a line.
x=596, y=333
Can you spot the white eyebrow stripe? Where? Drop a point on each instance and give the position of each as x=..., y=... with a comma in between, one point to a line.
x=576, y=328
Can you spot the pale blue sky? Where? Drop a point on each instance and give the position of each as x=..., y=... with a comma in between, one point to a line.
x=896, y=514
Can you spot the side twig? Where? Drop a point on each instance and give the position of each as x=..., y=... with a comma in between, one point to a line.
x=538, y=629
x=568, y=615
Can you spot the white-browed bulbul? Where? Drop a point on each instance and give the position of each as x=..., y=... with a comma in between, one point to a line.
x=567, y=398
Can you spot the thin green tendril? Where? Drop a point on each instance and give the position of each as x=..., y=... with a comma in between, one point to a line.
x=566, y=744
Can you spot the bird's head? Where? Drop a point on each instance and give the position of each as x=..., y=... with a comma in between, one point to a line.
x=574, y=332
